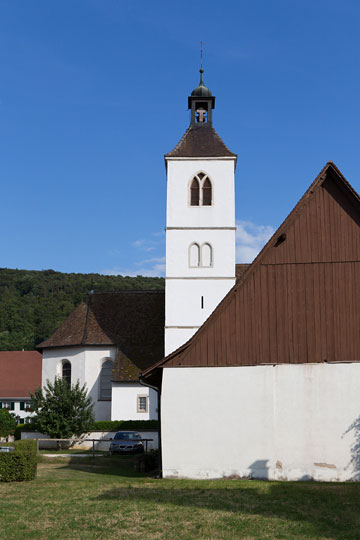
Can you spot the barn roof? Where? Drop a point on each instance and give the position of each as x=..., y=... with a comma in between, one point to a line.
x=133, y=321
x=299, y=300
x=200, y=141
x=20, y=373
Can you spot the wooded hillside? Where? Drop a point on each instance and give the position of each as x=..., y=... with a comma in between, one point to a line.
x=34, y=303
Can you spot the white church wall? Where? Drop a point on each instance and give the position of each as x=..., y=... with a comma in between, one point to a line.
x=124, y=404
x=86, y=363
x=179, y=175
x=291, y=422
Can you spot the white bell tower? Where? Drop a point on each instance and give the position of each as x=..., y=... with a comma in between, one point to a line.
x=200, y=223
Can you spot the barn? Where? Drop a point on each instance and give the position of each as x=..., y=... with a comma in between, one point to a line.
x=269, y=386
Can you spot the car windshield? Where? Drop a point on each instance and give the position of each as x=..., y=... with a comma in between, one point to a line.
x=127, y=436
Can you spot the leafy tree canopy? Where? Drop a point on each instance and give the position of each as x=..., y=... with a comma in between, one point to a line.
x=7, y=423
x=33, y=304
x=62, y=410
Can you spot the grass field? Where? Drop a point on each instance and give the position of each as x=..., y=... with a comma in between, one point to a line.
x=104, y=498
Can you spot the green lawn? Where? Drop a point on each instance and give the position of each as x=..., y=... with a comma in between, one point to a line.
x=104, y=498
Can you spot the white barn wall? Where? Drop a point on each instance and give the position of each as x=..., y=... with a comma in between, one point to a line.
x=293, y=422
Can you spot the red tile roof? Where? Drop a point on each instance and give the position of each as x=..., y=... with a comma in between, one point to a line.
x=20, y=373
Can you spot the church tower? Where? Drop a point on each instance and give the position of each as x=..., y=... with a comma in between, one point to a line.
x=200, y=223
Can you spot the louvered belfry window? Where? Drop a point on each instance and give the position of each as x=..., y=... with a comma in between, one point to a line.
x=201, y=190
x=195, y=193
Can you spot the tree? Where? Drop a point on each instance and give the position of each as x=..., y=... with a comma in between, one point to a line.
x=7, y=423
x=62, y=410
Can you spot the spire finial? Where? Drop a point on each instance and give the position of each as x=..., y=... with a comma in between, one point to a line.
x=201, y=63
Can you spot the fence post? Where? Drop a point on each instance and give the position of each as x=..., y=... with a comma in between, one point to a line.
x=93, y=447
x=37, y=446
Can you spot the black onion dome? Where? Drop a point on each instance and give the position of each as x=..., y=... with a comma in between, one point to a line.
x=201, y=90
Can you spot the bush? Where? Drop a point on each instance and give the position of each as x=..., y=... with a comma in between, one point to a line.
x=62, y=410
x=7, y=423
x=19, y=465
x=116, y=425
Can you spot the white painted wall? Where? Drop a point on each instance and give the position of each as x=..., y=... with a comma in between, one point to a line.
x=124, y=402
x=291, y=422
x=178, y=210
x=187, y=310
x=201, y=224
x=86, y=363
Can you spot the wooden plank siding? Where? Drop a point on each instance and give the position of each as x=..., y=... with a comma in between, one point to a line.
x=299, y=301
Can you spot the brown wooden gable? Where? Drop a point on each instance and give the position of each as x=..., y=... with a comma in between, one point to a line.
x=299, y=300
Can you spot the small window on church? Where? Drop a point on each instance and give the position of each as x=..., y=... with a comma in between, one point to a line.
x=142, y=404
x=66, y=372
x=195, y=193
x=194, y=255
x=105, y=381
x=206, y=193
x=206, y=255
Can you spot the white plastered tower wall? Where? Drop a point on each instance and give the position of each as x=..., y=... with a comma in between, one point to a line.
x=192, y=293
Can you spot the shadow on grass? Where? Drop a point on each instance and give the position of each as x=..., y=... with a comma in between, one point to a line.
x=324, y=510
x=122, y=466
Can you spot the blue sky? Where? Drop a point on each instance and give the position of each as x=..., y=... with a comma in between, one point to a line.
x=93, y=93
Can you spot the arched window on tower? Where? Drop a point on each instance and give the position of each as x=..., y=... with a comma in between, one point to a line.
x=105, y=380
x=201, y=190
x=206, y=255
x=206, y=192
x=66, y=371
x=194, y=255
x=195, y=193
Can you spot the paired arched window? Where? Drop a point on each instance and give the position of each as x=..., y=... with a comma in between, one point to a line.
x=200, y=190
x=66, y=371
x=194, y=255
x=105, y=380
x=200, y=256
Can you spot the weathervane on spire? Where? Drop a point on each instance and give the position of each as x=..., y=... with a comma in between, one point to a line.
x=201, y=54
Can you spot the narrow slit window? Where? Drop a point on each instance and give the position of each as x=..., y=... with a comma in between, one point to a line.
x=195, y=193
x=202, y=302
x=194, y=255
x=66, y=372
x=206, y=193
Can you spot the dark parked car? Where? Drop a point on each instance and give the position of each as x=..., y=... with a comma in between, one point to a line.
x=126, y=442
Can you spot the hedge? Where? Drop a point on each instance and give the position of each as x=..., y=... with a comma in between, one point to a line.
x=19, y=465
x=103, y=425
x=116, y=425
